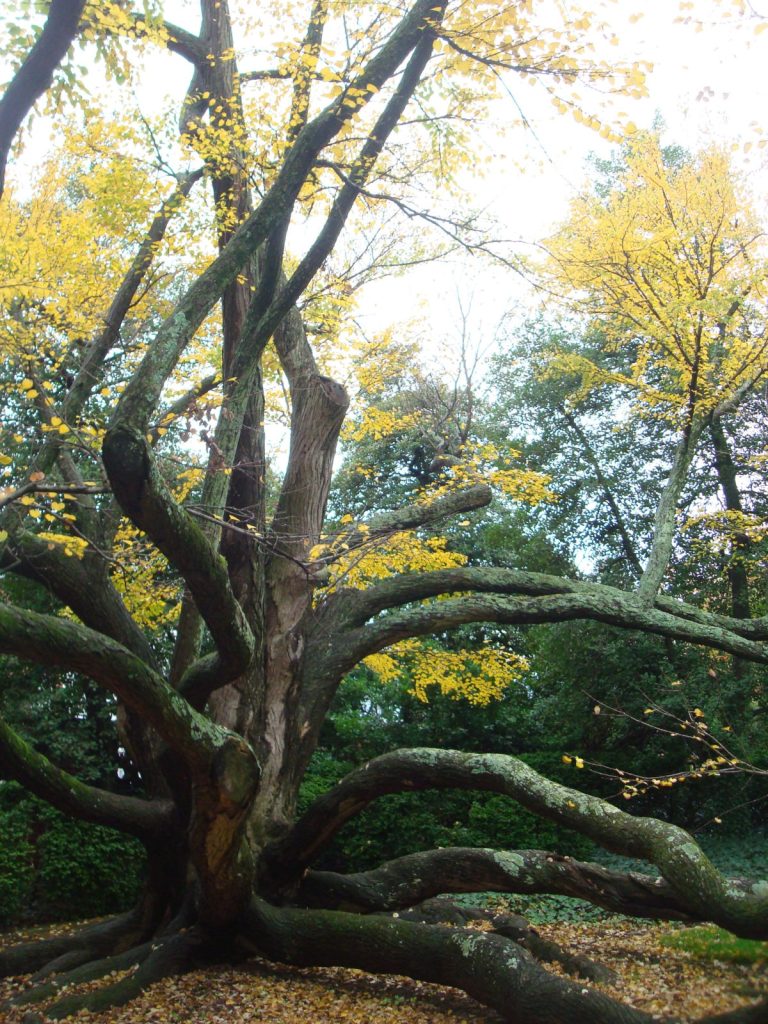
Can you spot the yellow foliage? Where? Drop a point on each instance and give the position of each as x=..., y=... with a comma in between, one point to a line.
x=140, y=575
x=484, y=463
x=670, y=265
x=74, y=547
x=399, y=553
x=63, y=250
x=478, y=676
x=378, y=424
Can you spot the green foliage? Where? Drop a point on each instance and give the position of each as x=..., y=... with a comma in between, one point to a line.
x=549, y=909
x=745, y=856
x=707, y=942
x=55, y=868
x=16, y=864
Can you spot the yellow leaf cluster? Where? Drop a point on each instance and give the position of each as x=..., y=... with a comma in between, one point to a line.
x=63, y=249
x=378, y=424
x=140, y=575
x=399, y=553
x=670, y=266
x=477, y=676
x=72, y=546
x=485, y=463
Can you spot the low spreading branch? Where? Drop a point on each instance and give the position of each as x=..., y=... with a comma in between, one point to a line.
x=693, y=878
x=56, y=642
x=419, y=876
x=142, y=818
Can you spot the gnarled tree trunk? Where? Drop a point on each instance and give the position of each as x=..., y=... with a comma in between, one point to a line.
x=224, y=733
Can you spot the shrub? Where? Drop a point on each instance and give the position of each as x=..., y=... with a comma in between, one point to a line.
x=53, y=868
x=16, y=865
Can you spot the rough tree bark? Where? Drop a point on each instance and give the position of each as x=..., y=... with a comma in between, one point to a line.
x=223, y=734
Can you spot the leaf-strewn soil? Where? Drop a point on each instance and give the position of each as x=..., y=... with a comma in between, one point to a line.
x=655, y=978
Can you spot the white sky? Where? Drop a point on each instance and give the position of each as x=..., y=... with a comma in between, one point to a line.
x=708, y=84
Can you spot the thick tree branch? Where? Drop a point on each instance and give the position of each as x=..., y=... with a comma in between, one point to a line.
x=36, y=73
x=83, y=585
x=146, y=500
x=428, y=512
x=144, y=819
x=489, y=967
x=692, y=877
x=405, y=588
x=319, y=408
x=419, y=876
x=752, y=629
x=56, y=642
x=568, y=602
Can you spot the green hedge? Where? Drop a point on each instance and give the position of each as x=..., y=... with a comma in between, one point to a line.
x=53, y=868
x=16, y=864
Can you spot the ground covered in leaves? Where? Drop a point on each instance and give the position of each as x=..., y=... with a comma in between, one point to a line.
x=656, y=977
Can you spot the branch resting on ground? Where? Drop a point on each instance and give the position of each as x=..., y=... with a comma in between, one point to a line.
x=693, y=879
x=418, y=876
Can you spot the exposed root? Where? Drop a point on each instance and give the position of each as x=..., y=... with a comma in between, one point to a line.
x=66, y=962
x=489, y=967
x=757, y=1014
x=175, y=955
x=514, y=927
x=91, y=971
x=92, y=941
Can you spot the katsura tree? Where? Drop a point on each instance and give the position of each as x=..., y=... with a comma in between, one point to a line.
x=119, y=326
x=667, y=260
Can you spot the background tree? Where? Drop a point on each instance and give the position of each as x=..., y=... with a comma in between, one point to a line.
x=596, y=395
x=222, y=730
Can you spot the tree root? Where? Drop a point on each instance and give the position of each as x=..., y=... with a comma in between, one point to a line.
x=92, y=941
x=756, y=1014
x=55, y=981
x=498, y=968
x=514, y=927
x=489, y=967
x=177, y=954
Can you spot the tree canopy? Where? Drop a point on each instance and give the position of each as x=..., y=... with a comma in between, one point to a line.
x=172, y=285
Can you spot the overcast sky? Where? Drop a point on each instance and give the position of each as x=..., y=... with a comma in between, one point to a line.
x=709, y=84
